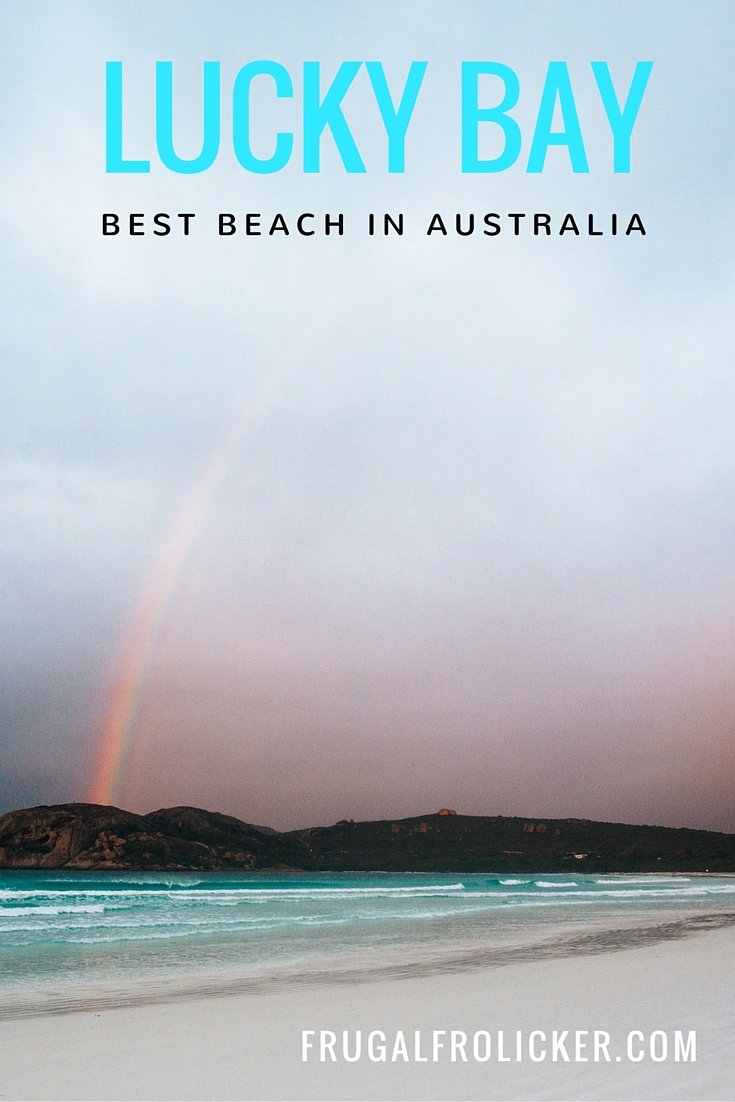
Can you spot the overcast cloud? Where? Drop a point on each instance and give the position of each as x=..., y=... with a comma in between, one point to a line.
x=475, y=547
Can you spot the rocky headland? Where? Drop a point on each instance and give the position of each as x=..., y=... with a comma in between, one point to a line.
x=89, y=836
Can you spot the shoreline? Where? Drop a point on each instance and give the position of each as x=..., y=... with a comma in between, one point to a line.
x=246, y=1045
x=592, y=941
x=297, y=871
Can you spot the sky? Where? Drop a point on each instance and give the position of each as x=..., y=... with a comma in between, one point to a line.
x=300, y=529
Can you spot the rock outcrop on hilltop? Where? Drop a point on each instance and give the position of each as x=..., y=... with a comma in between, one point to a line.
x=87, y=836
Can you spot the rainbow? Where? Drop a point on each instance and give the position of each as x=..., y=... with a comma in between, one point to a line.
x=121, y=712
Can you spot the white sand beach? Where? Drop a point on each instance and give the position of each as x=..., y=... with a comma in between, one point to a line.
x=248, y=1046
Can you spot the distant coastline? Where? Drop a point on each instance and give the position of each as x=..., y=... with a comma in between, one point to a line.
x=90, y=836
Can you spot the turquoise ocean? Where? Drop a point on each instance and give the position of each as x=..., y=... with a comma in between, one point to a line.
x=79, y=940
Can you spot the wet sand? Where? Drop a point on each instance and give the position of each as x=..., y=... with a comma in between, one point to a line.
x=247, y=1044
